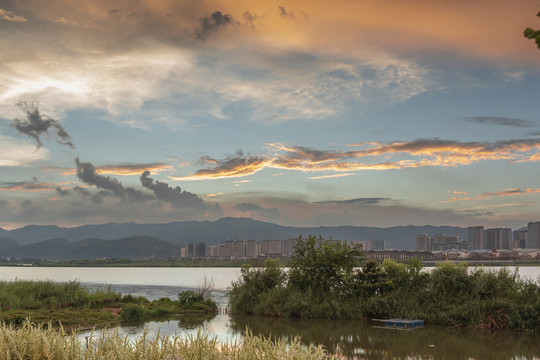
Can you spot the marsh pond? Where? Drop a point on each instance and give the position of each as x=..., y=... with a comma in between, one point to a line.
x=354, y=338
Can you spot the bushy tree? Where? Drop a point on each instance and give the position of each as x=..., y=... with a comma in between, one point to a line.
x=321, y=266
x=533, y=34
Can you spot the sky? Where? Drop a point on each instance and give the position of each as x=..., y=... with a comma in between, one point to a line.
x=302, y=113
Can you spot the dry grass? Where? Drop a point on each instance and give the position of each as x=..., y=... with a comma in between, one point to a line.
x=31, y=341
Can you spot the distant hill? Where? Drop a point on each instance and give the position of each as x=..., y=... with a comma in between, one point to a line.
x=219, y=231
x=62, y=249
x=6, y=243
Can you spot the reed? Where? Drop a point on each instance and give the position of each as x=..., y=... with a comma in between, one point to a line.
x=31, y=341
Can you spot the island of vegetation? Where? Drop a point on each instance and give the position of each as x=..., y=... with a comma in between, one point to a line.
x=333, y=280
x=71, y=305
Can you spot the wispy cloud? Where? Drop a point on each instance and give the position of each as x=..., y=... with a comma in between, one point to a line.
x=238, y=165
x=126, y=169
x=357, y=201
x=29, y=186
x=371, y=156
x=15, y=152
x=330, y=176
x=11, y=16
x=503, y=121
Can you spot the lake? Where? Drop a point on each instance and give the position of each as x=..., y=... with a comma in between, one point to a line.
x=354, y=338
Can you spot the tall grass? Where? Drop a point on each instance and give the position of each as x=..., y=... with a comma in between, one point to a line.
x=21, y=294
x=37, y=342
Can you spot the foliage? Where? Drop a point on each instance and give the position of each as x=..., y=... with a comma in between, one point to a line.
x=196, y=301
x=319, y=266
x=247, y=293
x=132, y=313
x=324, y=281
x=533, y=34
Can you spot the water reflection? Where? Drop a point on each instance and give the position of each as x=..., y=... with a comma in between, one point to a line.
x=361, y=340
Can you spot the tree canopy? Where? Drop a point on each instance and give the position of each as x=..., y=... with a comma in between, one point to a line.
x=533, y=34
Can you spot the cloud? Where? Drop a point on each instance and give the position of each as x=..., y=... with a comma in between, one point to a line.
x=333, y=176
x=500, y=121
x=35, y=125
x=213, y=23
x=284, y=13
x=237, y=165
x=133, y=169
x=27, y=186
x=371, y=156
x=508, y=192
x=357, y=201
x=87, y=173
x=11, y=16
x=15, y=152
x=174, y=196
x=257, y=211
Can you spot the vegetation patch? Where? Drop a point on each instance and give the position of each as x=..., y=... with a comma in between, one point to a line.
x=329, y=279
x=71, y=305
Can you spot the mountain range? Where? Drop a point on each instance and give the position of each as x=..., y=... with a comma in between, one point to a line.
x=139, y=240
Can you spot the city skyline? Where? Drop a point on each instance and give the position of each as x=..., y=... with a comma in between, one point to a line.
x=295, y=113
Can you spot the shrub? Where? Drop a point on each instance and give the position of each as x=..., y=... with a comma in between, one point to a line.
x=132, y=313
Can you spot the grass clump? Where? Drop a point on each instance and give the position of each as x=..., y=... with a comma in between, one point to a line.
x=32, y=341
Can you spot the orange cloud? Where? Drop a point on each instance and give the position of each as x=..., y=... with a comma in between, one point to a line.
x=239, y=166
x=121, y=169
x=330, y=176
x=30, y=186
x=397, y=155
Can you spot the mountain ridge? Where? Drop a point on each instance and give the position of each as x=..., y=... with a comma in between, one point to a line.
x=224, y=229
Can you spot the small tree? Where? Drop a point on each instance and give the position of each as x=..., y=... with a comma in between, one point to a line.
x=321, y=266
x=533, y=34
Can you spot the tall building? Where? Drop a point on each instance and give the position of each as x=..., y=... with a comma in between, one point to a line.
x=520, y=239
x=498, y=238
x=239, y=249
x=271, y=247
x=252, y=249
x=377, y=245
x=477, y=238
x=423, y=242
x=533, y=235
x=200, y=250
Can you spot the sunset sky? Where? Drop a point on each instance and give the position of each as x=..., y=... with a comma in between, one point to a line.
x=349, y=112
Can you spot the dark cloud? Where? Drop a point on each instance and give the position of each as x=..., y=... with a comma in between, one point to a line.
x=213, y=23
x=271, y=214
x=37, y=124
x=174, y=196
x=495, y=120
x=95, y=198
x=357, y=201
x=285, y=13
x=62, y=192
x=86, y=172
x=232, y=166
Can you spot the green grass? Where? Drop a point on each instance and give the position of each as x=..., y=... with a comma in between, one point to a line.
x=74, y=306
x=30, y=341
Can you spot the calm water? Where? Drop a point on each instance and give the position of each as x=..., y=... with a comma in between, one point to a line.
x=358, y=339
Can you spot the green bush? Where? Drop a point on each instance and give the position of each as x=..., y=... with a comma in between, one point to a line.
x=132, y=313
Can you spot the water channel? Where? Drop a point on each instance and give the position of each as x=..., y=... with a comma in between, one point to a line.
x=354, y=338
